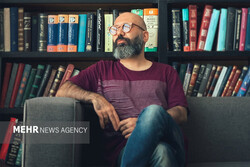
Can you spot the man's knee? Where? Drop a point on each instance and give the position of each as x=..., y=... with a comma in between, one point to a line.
x=153, y=113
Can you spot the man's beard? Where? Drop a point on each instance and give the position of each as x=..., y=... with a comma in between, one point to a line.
x=131, y=48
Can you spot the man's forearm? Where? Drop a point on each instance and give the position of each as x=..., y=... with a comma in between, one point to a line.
x=68, y=89
x=178, y=113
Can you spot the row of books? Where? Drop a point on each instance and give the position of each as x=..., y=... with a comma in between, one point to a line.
x=25, y=31
x=11, y=150
x=22, y=82
x=230, y=25
x=214, y=80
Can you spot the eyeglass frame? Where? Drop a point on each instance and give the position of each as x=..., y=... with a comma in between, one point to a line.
x=131, y=24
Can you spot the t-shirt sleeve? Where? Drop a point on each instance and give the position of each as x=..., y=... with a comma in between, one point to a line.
x=87, y=79
x=175, y=94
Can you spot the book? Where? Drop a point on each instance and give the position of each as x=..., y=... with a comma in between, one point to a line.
x=27, y=31
x=52, y=33
x=49, y=84
x=16, y=84
x=239, y=82
x=193, y=79
x=248, y=92
x=198, y=80
x=182, y=72
x=73, y=33
x=7, y=46
x=204, y=80
x=19, y=155
x=237, y=24
x=233, y=83
x=34, y=32
x=115, y=14
x=11, y=84
x=219, y=82
x=204, y=27
x=185, y=30
x=175, y=65
x=82, y=33
x=230, y=29
x=224, y=80
x=210, y=79
x=62, y=43
x=7, y=138
x=176, y=29
x=151, y=21
x=57, y=80
x=247, y=42
x=75, y=72
x=214, y=81
x=42, y=32
x=192, y=27
x=245, y=84
x=187, y=77
x=211, y=30
x=138, y=12
x=108, y=21
x=44, y=80
x=29, y=85
x=90, y=41
x=99, y=30
x=14, y=29
x=243, y=28
x=26, y=73
x=6, y=79
x=229, y=81
x=1, y=30
x=221, y=42
x=20, y=29
x=67, y=74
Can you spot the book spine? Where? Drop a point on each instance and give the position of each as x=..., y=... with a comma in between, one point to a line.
x=221, y=43
x=73, y=33
x=193, y=79
x=42, y=32
x=187, y=77
x=19, y=156
x=204, y=80
x=219, y=82
x=248, y=92
x=233, y=83
x=11, y=84
x=56, y=83
x=82, y=32
x=175, y=65
x=239, y=82
x=247, y=43
x=7, y=46
x=115, y=14
x=151, y=21
x=204, y=27
x=34, y=32
x=99, y=30
x=237, y=24
x=182, y=73
x=198, y=80
x=67, y=74
x=62, y=44
x=44, y=81
x=229, y=81
x=245, y=84
x=2, y=30
x=14, y=29
x=7, y=138
x=176, y=29
x=90, y=33
x=23, y=84
x=230, y=29
x=37, y=81
x=6, y=79
x=29, y=85
x=211, y=30
x=243, y=29
x=185, y=23
x=52, y=33
x=49, y=84
x=224, y=81
x=214, y=81
x=75, y=72
x=192, y=27
x=20, y=30
x=138, y=12
x=108, y=21
x=16, y=84
x=27, y=31
x=210, y=79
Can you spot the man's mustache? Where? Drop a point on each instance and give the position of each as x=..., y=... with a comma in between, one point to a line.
x=122, y=38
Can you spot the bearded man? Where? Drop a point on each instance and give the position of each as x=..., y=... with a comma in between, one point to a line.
x=139, y=103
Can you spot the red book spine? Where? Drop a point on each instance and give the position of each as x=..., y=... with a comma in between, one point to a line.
x=243, y=29
x=67, y=74
x=16, y=85
x=233, y=83
x=229, y=81
x=6, y=141
x=6, y=80
x=192, y=27
x=204, y=27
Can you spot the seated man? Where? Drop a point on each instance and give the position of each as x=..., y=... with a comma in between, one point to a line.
x=139, y=103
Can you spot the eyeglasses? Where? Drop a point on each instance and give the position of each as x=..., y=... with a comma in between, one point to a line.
x=126, y=27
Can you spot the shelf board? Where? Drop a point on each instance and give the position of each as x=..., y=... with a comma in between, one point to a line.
x=206, y=1
x=11, y=111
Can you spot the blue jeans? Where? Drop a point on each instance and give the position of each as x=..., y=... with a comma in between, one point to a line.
x=156, y=141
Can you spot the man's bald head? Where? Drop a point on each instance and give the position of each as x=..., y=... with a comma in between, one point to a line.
x=128, y=17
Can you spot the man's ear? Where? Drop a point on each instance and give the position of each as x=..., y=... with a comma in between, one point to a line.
x=145, y=36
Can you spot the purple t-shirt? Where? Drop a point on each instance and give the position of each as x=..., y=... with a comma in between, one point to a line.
x=130, y=92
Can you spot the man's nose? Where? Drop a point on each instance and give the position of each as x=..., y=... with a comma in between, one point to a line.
x=120, y=32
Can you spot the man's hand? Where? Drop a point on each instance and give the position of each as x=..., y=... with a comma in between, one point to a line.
x=127, y=126
x=106, y=112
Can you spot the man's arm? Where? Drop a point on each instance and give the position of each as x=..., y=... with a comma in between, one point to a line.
x=103, y=108
x=178, y=113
